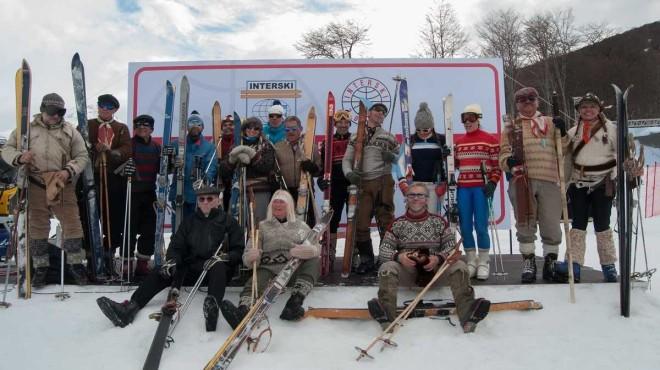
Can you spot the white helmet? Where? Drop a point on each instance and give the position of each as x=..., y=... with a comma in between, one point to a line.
x=473, y=108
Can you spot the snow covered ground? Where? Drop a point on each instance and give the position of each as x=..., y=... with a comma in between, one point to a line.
x=74, y=334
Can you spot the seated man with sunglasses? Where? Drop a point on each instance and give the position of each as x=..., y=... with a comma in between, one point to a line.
x=56, y=157
x=413, y=249
x=429, y=152
x=191, y=248
x=528, y=150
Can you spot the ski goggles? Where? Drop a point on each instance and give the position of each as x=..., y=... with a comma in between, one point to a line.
x=416, y=195
x=469, y=117
x=526, y=98
x=55, y=111
x=342, y=114
x=106, y=106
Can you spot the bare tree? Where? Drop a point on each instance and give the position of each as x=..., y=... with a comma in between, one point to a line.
x=594, y=32
x=442, y=35
x=501, y=35
x=549, y=37
x=334, y=41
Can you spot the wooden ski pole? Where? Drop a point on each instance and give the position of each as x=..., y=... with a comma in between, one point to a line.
x=564, y=204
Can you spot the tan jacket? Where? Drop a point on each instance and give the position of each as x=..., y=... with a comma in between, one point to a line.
x=55, y=147
x=289, y=161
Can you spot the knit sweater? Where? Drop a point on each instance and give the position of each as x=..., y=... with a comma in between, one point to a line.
x=540, y=153
x=373, y=165
x=470, y=150
x=276, y=239
x=146, y=155
x=408, y=233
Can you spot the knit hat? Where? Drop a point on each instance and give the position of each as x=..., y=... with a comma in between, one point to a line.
x=52, y=104
x=109, y=100
x=589, y=97
x=526, y=91
x=276, y=108
x=208, y=190
x=143, y=120
x=252, y=122
x=288, y=199
x=195, y=120
x=424, y=117
x=374, y=105
x=228, y=118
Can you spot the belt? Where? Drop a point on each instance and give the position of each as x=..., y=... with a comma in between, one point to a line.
x=596, y=168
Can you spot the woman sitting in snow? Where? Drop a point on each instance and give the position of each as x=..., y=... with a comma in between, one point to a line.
x=280, y=237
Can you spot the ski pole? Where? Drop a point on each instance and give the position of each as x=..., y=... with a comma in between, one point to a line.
x=62, y=295
x=495, y=236
x=398, y=79
x=4, y=303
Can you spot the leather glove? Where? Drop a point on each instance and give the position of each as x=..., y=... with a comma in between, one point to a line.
x=446, y=151
x=512, y=162
x=308, y=166
x=322, y=183
x=403, y=186
x=560, y=124
x=388, y=157
x=129, y=169
x=304, y=252
x=441, y=189
x=168, y=269
x=354, y=177
x=252, y=255
x=168, y=150
x=489, y=189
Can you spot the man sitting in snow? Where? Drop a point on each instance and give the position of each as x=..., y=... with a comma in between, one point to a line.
x=413, y=248
x=194, y=243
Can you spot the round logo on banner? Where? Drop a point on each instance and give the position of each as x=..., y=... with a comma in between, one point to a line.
x=370, y=89
x=260, y=108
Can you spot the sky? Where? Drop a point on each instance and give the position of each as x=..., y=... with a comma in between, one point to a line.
x=109, y=34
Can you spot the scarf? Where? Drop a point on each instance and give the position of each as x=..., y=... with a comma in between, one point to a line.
x=538, y=125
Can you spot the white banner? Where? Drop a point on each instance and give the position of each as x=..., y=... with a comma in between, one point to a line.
x=249, y=87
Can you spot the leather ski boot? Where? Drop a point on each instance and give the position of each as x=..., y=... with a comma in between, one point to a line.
x=79, y=274
x=234, y=315
x=478, y=311
x=548, y=266
x=211, y=313
x=39, y=277
x=121, y=314
x=529, y=269
x=293, y=310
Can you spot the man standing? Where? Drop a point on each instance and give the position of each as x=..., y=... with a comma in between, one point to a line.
x=226, y=145
x=111, y=147
x=414, y=247
x=146, y=155
x=528, y=150
x=274, y=129
x=196, y=146
x=376, y=195
x=339, y=188
x=290, y=154
x=56, y=157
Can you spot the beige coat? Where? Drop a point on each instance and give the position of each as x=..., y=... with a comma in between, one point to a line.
x=55, y=147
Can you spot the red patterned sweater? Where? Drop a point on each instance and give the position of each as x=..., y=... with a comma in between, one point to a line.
x=470, y=150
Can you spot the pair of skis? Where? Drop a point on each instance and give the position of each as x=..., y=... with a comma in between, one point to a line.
x=304, y=186
x=351, y=212
x=184, y=98
x=256, y=317
x=21, y=233
x=327, y=177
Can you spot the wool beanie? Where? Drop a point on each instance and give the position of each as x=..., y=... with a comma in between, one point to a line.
x=424, y=117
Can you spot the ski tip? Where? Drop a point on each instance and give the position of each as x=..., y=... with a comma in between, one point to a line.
x=331, y=95
x=168, y=83
x=184, y=80
x=24, y=64
x=616, y=88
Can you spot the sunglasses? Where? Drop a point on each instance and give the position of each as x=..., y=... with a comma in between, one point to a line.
x=208, y=199
x=55, y=111
x=274, y=116
x=524, y=99
x=291, y=129
x=424, y=130
x=106, y=106
x=416, y=195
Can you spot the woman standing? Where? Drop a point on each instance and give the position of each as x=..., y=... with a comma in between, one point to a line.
x=473, y=149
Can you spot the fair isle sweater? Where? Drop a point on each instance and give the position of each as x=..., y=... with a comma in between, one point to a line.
x=540, y=152
x=470, y=150
x=408, y=233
